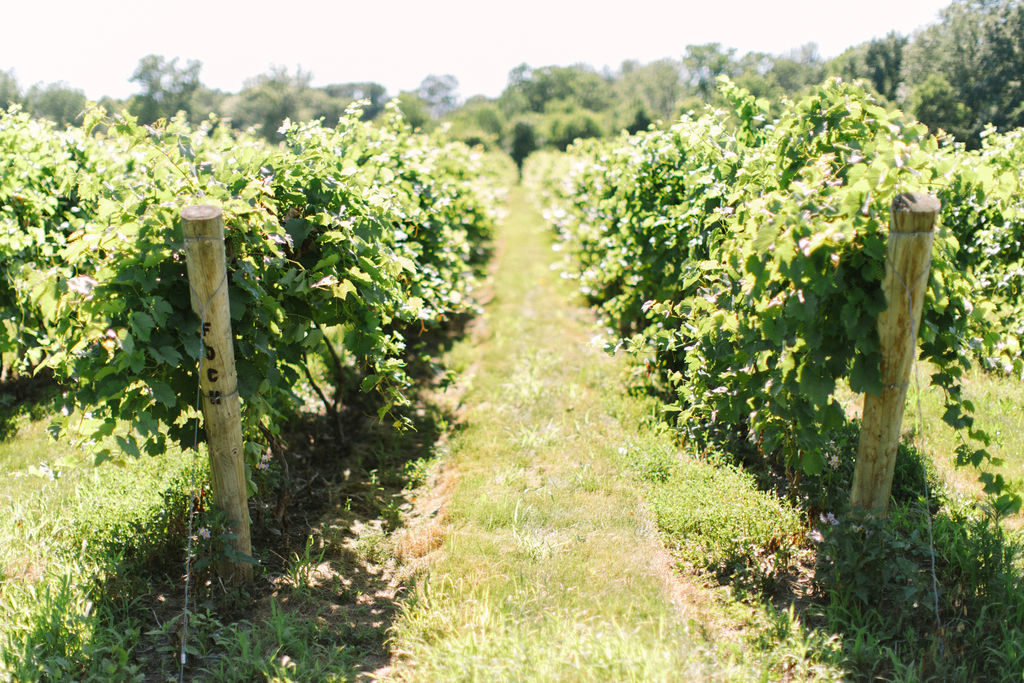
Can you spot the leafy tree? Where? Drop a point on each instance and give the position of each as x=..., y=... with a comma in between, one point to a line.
x=803, y=67
x=414, y=109
x=478, y=122
x=641, y=121
x=440, y=93
x=937, y=103
x=9, y=91
x=879, y=61
x=756, y=75
x=654, y=88
x=112, y=105
x=978, y=49
x=524, y=141
x=772, y=76
x=535, y=89
x=703, y=64
x=166, y=88
x=270, y=98
x=57, y=101
x=375, y=93
x=316, y=103
x=207, y=101
x=574, y=125
x=486, y=114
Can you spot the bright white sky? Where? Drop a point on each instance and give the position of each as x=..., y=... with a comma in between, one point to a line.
x=96, y=45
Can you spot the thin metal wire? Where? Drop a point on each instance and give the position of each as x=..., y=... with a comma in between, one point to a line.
x=203, y=306
x=216, y=397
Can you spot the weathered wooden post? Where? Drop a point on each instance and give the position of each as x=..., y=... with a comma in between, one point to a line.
x=218, y=381
x=911, y=232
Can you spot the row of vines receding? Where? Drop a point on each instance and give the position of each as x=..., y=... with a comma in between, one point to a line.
x=344, y=245
x=739, y=255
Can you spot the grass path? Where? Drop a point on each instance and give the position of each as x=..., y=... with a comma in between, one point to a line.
x=551, y=567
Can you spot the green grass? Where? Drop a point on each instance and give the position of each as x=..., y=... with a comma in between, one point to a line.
x=90, y=581
x=998, y=402
x=999, y=410
x=92, y=562
x=806, y=594
x=73, y=538
x=718, y=518
x=552, y=567
x=30, y=446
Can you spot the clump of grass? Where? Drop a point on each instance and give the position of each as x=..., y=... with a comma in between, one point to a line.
x=867, y=584
x=302, y=566
x=78, y=547
x=716, y=519
x=876, y=587
x=61, y=627
x=419, y=541
x=374, y=546
x=869, y=581
x=651, y=463
x=284, y=645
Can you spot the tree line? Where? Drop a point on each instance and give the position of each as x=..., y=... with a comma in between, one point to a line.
x=167, y=87
x=960, y=74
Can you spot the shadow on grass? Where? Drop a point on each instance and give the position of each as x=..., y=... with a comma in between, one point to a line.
x=325, y=591
x=935, y=590
x=326, y=594
x=32, y=396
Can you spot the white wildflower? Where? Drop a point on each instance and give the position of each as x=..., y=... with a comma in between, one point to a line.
x=82, y=284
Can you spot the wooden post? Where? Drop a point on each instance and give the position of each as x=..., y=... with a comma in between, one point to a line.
x=218, y=381
x=911, y=233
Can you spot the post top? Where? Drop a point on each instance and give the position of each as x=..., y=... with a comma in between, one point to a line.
x=201, y=212
x=914, y=213
x=915, y=202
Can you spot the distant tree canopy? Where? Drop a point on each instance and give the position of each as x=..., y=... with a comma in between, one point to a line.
x=703, y=64
x=268, y=99
x=974, y=59
x=523, y=141
x=166, y=88
x=535, y=89
x=555, y=105
x=478, y=122
x=960, y=74
x=655, y=88
x=415, y=110
x=374, y=93
x=936, y=102
x=263, y=103
x=57, y=101
x=9, y=91
x=552, y=106
x=879, y=61
x=440, y=94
